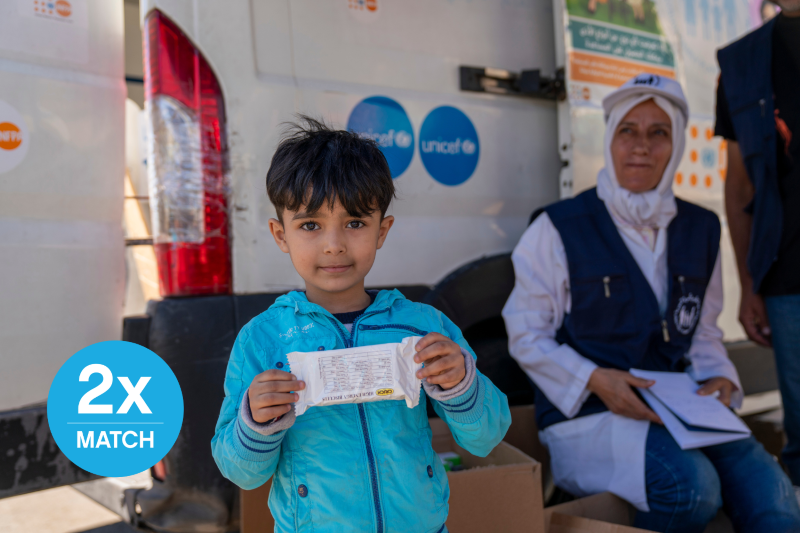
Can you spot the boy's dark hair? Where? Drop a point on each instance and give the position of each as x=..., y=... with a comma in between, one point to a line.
x=315, y=165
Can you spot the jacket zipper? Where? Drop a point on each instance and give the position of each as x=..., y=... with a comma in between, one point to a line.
x=373, y=472
x=362, y=415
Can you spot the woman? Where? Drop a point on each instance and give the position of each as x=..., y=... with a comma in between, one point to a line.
x=626, y=276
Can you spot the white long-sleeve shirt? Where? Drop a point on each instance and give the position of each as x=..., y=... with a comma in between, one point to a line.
x=603, y=451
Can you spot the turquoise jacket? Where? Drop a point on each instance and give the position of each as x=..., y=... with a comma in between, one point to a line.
x=353, y=467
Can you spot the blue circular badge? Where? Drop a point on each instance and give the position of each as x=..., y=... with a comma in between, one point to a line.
x=386, y=122
x=115, y=408
x=449, y=146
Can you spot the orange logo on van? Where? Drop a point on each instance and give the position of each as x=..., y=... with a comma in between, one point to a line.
x=10, y=136
x=369, y=5
x=63, y=8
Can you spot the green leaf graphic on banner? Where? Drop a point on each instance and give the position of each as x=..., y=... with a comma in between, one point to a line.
x=618, y=42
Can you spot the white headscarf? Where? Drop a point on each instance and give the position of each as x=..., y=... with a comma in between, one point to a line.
x=652, y=209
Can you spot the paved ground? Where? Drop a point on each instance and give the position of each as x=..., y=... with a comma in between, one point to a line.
x=59, y=510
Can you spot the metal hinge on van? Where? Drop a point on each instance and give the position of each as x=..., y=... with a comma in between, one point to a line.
x=501, y=81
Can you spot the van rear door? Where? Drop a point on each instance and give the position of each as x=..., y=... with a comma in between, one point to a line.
x=62, y=271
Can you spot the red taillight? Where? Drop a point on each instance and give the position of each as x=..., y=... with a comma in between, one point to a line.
x=187, y=163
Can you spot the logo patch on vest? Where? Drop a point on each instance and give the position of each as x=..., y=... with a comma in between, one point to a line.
x=687, y=313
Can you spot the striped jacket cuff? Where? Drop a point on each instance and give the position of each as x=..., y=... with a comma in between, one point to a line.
x=464, y=402
x=256, y=441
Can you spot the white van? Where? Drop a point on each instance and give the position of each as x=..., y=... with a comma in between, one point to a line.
x=62, y=269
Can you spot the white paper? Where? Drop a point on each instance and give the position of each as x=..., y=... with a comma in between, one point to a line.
x=357, y=375
x=678, y=392
x=688, y=439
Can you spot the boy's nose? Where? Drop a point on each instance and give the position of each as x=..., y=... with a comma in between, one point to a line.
x=334, y=243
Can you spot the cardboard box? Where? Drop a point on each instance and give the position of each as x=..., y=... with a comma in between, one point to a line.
x=524, y=434
x=254, y=511
x=562, y=523
x=606, y=513
x=501, y=492
x=604, y=507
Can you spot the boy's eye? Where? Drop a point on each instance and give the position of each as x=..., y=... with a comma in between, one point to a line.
x=309, y=226
x=355, y=224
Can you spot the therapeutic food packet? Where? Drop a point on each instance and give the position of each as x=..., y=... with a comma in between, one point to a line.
x=356, y=375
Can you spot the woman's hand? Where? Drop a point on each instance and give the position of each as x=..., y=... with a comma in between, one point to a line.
x=723, y=385
x=613, y=387
x=444, y=362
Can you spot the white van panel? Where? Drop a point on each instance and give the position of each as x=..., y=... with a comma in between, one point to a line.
x=274, y=59
x=417, y=44
x=61, y=243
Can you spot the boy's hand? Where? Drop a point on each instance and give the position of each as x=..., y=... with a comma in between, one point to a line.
x=444, y=362
x=271, y=394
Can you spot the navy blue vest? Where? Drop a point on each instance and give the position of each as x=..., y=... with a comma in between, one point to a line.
x=615, y=320
x=746, y=71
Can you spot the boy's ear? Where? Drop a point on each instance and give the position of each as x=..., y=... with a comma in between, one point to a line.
x=276, y=228
x=386, y=225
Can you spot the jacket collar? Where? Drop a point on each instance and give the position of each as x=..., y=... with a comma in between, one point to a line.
x=299, y=302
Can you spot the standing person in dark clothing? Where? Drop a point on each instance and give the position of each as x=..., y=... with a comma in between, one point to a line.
x=758, y=112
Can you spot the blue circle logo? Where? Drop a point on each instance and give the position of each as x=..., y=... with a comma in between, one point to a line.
x=449, y=146
x=385, y=121
x=115, y=408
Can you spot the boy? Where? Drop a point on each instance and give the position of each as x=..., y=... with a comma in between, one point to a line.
x=352, y=467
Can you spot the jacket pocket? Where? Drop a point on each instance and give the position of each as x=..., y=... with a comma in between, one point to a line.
x=372, y=334
x=303, y=497
x=602, y=306
x=434, y=475
x=393, y=329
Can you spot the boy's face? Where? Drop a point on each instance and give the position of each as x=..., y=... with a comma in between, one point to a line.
x=330, y=249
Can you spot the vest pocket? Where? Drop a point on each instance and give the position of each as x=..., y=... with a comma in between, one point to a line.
x=749, y=121
x=602, y=306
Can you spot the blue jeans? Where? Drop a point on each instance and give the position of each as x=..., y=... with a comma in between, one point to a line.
x=686, y=488
x=784, y=320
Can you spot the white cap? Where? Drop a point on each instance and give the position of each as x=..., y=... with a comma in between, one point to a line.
x=647, y=83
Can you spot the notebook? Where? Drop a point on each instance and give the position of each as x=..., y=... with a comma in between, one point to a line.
x=694, y=421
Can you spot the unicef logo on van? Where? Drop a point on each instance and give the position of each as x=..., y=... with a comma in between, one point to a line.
x=14, y=137
x=385, y=121
x=449, y=146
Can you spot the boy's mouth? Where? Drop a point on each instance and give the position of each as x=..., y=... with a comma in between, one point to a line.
x=335, y=269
